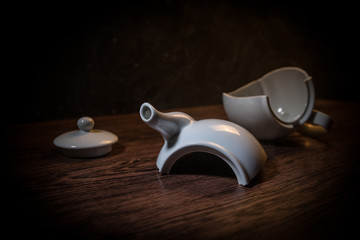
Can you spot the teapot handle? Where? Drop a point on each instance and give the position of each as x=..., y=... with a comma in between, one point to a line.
x=318, y=124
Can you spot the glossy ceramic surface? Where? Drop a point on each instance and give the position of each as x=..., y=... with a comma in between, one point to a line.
x=227, y=140
x=272, y=106
x=86, y=142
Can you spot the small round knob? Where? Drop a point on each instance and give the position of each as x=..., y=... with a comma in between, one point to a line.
x=85, y=124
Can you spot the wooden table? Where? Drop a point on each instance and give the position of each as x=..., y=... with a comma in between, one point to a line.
x=308, y=187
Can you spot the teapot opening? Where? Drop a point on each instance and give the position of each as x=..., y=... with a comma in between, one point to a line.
x=146, y=112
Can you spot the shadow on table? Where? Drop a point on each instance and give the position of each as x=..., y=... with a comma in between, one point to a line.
x=202, y=163
x=199, y=163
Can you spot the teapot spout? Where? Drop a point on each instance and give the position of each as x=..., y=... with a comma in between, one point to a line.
x=168, y=124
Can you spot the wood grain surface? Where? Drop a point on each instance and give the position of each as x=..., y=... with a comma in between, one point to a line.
x=308, y=188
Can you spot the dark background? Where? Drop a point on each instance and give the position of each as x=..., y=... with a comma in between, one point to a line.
x=69, y=61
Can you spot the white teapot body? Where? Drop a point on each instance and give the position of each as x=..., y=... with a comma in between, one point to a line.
x=227, y=140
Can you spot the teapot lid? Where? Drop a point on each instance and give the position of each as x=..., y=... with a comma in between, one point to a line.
x=86, y=142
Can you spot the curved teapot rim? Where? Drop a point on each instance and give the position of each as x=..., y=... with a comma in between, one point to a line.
x=268, y=74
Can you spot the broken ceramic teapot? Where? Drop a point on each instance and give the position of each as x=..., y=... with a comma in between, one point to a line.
x=227, y=140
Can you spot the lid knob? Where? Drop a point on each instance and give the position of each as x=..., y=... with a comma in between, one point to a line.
x=86, y=124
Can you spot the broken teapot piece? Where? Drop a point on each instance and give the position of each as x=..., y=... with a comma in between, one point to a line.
x=277, y=104
x=227, y=140
x=86, y=142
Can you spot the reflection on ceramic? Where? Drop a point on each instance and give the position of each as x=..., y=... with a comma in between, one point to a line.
x=86, y=142
x=227, y=140
x=276, y=104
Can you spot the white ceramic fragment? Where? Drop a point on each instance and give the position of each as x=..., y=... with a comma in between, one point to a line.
x=227, y=140
x=274, y=105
